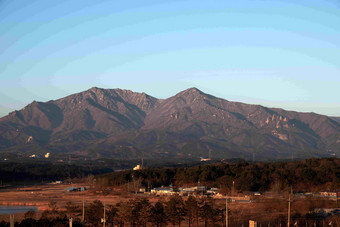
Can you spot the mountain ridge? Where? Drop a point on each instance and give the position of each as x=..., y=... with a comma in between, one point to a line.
x=121, y=123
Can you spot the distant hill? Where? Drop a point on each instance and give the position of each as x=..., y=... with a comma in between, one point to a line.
x=123, y=124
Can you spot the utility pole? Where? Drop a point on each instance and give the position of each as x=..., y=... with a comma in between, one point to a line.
x=226, y=212
x=83, y=218
x=104, y=216
x=233, y=188
x=288, y=212
x=291, y=190
x=11, y=220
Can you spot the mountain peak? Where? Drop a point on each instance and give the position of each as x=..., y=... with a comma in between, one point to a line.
x=192, y=90
x=192, y=123
x=193, y=94
x=95, y=89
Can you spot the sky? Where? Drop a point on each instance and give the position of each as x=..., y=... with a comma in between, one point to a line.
x=274, y=53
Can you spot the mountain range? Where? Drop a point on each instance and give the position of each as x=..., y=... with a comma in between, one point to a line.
x=122, y=124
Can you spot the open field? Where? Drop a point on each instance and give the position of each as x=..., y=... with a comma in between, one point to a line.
x=266, y=210
x=41, y=195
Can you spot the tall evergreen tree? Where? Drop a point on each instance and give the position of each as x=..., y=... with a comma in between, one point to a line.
x=175, y=209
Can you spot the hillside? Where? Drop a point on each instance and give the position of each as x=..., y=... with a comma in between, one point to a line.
x=128, y=125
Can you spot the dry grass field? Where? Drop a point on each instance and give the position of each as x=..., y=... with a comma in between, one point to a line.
x=266, y=210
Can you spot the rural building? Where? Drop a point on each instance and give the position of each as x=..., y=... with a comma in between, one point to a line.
x=76, y=189
x=191, y=190
x=163, y=191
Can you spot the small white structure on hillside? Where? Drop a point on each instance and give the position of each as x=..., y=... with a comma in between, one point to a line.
x=137, y=167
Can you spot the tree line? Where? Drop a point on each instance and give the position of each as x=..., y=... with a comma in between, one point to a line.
x=304, y=175
x=172, y=211
x=134, y=212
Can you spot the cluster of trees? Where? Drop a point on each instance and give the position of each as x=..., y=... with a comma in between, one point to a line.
x=304, y=175
x=140, y=212
x=175, y=211
x=135, y=212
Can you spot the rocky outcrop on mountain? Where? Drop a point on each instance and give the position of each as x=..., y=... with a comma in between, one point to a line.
x=124, y=124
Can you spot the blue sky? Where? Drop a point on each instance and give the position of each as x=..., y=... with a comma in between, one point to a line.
x=274, y=53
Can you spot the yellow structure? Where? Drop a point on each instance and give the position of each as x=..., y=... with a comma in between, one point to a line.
x=252, y=223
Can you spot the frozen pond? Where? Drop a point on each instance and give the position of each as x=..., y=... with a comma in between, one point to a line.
x=16, y=209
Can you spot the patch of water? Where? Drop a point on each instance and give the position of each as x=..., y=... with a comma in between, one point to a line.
x=16, y=209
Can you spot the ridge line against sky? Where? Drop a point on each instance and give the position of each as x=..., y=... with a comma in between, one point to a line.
x=274, y=53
